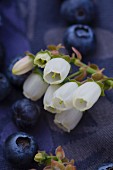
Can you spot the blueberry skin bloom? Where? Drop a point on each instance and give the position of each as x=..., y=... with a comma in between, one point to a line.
x=20, y=149
x=78, y=11
x=16, y=80
x=25, y=114
x=81, y=37
x=108, y=166
x=4, y=87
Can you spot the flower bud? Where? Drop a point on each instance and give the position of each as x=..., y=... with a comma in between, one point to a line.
x=34, y=87
x=23, y=66
x=68, y=120
x=63, y=96
x=40, y=157
x=47, y=101
x=86, y=96
x=42, y=58
x=60, y=153
x=56, y=70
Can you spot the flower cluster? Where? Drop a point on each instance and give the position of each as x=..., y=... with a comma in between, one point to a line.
x=66, y=95
x=59, y=161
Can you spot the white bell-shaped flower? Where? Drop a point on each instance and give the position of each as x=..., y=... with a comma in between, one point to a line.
x=68, y=119
x=56, y=70
x=34, y=87
x=23, y=66
x=63, y=97
x=47, y=101
x=42, y=58
x=86, y=96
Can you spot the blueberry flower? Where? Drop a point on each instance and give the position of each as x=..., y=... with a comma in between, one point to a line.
x=56, y=70
x=42, y=58
x=23, y=66
x=86, y=96
x=47, y=101
x=63, y=97
x=68, y=120
x=34, y=87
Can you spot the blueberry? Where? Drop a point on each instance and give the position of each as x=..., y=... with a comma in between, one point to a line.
x=20, y=149
x=78, y=11
x=14, y=79
x=4, y=87
x=25, y=114
x=81, y=37
x=108, y=166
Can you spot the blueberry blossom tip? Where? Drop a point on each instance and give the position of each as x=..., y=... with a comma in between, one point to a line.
x=57, y=161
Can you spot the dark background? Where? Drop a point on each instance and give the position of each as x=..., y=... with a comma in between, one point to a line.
x=32, y=25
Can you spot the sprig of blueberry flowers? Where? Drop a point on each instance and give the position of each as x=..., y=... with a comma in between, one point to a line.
x=66, y=95
x=55, y=162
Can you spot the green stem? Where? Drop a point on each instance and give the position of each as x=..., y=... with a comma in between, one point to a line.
x=52, y=157
x=92, y=71
x=74, y=74
x=89, y=69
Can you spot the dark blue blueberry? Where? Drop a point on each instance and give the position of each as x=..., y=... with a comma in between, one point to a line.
x=81, y=37
x=108, y=166
x=4, y=87
x=25, y=114
x=78, y=11
x=15, y=79
x=20, y=149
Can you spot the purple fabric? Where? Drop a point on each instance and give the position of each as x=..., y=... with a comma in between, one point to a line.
x=30, y=26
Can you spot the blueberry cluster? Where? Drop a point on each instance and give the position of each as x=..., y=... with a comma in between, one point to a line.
x=19, y=148
x=80, y=14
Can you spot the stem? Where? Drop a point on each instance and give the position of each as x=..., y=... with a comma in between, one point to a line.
x=91, y=71
x=52, y=157
x=74, y=74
